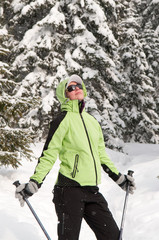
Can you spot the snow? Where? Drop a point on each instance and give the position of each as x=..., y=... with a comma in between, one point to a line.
x=48, y=101
x=142, y=212
x=17, y=5
x=3, y=31
x=89, y=73
x=55, y=17
x=155, y=1
x=70, y=62
x=38, y=35
x=78, y=25
x=86, y=39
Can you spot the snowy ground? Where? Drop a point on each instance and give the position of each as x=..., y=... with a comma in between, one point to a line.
x=142, y=217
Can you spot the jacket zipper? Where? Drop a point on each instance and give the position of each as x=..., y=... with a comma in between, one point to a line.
x=95, y=167
x=75, y=166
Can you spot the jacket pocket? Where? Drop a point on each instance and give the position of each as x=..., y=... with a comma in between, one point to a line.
x=75, y=168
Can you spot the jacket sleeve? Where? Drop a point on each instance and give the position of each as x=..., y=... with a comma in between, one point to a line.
x=51, y=150
x=106, y=163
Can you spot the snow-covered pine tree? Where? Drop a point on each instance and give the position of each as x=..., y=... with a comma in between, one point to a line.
x=14, y=140
x=150, y=40
x=37, y=61
x=140, y=108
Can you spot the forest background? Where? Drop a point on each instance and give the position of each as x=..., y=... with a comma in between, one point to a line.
x=112, y=44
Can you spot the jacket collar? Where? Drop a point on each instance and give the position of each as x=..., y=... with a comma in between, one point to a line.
x=73, y=106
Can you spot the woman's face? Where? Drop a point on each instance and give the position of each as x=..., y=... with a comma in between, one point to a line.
x=76, y=94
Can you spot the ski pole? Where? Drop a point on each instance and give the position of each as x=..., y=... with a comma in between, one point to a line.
x=130, y=172
x=17, y=183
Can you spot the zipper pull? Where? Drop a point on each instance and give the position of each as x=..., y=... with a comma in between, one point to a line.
x=75, y=168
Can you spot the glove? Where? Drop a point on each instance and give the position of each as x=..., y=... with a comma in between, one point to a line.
x=25, y=190
x=123, y=182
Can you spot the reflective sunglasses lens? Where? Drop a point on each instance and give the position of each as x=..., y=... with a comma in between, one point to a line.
x=73, y=87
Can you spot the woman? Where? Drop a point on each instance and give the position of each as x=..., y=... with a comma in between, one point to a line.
x=76, y=138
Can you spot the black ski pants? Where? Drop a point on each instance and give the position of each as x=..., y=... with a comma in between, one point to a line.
x=72, y=204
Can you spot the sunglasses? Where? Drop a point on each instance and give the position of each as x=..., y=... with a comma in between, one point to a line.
x=73, y=87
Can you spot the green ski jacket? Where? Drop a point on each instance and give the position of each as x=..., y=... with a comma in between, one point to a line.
x=76, y=138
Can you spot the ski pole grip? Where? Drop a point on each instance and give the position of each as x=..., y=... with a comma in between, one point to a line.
x=16, y=183
x=130, y=173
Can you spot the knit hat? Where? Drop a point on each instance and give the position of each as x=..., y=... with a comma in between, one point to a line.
x=74, y=78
